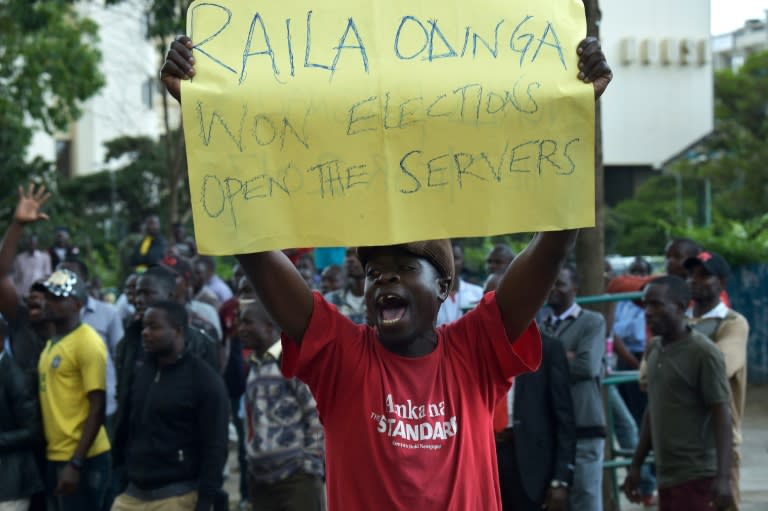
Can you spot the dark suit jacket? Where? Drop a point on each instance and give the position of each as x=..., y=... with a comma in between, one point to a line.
x=72, y=252
x=545, y=432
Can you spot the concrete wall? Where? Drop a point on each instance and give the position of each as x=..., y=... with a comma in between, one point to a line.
x=654, y=110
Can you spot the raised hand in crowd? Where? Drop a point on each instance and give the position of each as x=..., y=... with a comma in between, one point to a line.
x=30, y=204
x=28, y=210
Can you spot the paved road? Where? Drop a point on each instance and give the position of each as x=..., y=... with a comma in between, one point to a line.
x=754, y=452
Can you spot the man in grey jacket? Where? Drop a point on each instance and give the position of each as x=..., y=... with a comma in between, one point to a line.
x=582, y=334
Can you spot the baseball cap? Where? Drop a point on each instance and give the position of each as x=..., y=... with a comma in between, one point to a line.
x=437, y=252
x=63, y=284
x=179, y=265
x=711, y=261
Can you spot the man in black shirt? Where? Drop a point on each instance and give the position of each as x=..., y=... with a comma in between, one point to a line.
x=177, y=421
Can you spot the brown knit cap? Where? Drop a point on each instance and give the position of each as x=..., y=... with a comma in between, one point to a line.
x=437, y=252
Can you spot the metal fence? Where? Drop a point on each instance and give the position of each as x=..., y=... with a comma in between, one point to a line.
x=748, y=290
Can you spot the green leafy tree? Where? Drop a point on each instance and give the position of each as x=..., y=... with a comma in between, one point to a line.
x=642, y=225
x=107, y=208
x=739, y=242
x=48, y=67
x=732, y=160
x=167, y=18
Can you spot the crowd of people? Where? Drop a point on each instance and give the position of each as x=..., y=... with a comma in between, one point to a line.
x=138, y=395
x=360, y=377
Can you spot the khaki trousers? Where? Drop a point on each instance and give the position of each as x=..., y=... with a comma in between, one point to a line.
x=734, y=478
x=14, y=505
x=184, y=502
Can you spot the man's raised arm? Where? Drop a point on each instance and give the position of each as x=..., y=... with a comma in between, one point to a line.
x=27, y=211
x=528, y=280
x=280, y=287
x=277, y=282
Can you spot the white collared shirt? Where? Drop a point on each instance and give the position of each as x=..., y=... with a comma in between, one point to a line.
x=572, y=311
x=276, y=350
x=467, y=297
x=720, y=311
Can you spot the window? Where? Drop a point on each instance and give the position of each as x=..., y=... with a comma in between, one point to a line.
x=64, y=157
x=148, y=93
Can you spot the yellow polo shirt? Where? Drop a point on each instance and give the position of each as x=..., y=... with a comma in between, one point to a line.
x=69, y=369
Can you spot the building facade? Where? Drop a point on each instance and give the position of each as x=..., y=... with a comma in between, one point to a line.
x=661, y=98
x=127, y=105
x=729, y=51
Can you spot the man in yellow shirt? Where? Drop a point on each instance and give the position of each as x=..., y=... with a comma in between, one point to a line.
x=72, y=371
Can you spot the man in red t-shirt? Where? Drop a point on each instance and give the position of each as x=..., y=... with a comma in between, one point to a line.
x=406, y=407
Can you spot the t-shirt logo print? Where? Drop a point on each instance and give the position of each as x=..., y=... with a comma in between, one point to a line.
x=415, y=426
x=56, y=362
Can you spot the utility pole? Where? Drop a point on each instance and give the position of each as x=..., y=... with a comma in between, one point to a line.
x=590, y=245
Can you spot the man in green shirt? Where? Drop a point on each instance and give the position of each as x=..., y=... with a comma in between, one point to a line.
x=688, y=420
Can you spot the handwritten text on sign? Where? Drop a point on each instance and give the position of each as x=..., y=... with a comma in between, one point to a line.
x=369, y=122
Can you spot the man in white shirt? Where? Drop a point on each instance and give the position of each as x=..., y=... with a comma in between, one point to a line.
x=30, y=265
x=463, y=297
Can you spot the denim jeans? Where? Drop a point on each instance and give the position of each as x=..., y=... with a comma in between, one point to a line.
x=242, y=459
x=587, y=491
x=90, y=494
x=627, y=436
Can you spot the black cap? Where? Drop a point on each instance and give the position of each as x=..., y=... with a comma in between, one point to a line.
x=711, y=262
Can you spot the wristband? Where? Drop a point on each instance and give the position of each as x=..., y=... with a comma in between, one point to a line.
x=76, y=462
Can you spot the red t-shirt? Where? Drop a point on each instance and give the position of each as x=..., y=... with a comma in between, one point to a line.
x=410, y=433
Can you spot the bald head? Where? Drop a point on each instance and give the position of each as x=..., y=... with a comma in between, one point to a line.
x=498, y=259
x=676, y=252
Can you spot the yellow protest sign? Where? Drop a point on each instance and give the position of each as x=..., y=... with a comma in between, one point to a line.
x=374, y=122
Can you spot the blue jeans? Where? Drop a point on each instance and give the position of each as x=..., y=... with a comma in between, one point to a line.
x=586, y=494
x=90, y=494
x=242, y=459
x=627, y=436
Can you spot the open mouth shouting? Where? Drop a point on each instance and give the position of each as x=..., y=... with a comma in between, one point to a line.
x=391, y=309
x=35, y=311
